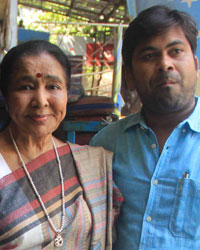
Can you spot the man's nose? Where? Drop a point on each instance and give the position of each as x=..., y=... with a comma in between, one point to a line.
x=40, y=98
x=165, y=63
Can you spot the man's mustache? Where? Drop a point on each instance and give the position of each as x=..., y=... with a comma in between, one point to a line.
x=166, y=76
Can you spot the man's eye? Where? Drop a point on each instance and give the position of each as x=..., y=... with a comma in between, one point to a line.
x=148, y=56
x=176, y=51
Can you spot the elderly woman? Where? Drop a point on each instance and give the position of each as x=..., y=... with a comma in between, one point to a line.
x=53, y=195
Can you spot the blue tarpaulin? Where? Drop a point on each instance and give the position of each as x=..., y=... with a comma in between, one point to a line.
x=27, y=35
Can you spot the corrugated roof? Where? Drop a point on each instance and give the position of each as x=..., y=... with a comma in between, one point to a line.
x=102, y=11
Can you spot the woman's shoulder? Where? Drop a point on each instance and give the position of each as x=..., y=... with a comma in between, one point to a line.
x=91, y=157
x=76, y=148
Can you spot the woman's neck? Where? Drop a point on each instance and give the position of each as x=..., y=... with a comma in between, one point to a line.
x=30, y=146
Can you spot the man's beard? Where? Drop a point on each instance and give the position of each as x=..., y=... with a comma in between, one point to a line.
x=168, y=99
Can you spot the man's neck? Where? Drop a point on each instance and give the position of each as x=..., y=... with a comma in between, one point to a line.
x=164, y=124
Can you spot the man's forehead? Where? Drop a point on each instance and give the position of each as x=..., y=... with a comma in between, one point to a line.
x=168, y=38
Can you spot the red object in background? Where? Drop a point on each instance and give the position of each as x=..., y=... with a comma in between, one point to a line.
x=103, y=55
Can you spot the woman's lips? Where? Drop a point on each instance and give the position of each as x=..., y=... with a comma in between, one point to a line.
x=39, y=118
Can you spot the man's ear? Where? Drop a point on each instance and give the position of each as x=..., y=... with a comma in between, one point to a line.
x=129, y=77
x=196, y=61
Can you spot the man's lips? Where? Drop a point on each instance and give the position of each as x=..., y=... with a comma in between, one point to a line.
x=166, y=79
x=166, y=82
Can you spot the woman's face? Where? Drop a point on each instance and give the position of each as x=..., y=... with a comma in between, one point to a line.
x=37, y=95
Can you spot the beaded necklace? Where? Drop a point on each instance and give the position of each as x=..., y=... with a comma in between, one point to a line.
x=58, y=240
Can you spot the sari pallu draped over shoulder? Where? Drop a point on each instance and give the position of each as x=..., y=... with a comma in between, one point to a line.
x=88, y=201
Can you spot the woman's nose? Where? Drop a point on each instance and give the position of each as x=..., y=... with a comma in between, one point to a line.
x=40, y=99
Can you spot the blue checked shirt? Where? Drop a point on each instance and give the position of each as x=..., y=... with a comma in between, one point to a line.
x=162, y=193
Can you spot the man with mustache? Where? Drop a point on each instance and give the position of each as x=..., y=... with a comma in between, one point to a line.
x=157, y=151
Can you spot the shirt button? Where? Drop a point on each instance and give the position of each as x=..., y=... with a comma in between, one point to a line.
x=183, y=130
x=155, y=182
x=153, y=145
x=149, y=218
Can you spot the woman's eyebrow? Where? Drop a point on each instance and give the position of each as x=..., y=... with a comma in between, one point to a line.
x=26, y=78
x=53, y=77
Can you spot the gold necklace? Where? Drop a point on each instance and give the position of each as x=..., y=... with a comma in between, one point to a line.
x=58, y=240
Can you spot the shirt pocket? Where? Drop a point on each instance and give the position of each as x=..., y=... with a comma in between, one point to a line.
x=185, y=216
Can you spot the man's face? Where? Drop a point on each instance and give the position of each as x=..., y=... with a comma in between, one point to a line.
x=164, y=72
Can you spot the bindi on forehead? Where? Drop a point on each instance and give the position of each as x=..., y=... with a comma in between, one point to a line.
x=39, y=75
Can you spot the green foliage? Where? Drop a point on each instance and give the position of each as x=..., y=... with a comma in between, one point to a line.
x=33, y=20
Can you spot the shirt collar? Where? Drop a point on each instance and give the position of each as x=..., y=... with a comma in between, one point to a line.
x=193, y=120
x=134, y=120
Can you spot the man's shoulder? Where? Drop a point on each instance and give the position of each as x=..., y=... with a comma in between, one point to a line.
x=119, y=125
x=113, y=131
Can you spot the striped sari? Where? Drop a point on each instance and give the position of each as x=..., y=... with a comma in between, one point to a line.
x=88, y=201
